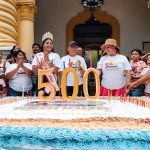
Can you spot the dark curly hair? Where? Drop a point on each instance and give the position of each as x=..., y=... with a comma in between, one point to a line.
x=137, y=50
x=15, y=54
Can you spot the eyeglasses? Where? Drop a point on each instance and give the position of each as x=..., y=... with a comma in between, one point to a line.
x=73, y=47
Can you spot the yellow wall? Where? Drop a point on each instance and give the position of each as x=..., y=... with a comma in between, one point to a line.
x=8, y=23
x=26, y=11
x=17, y=24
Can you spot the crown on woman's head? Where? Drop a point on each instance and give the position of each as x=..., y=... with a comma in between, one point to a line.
x=47, y=35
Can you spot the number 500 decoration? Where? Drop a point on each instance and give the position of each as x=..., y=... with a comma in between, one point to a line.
x=64, y=84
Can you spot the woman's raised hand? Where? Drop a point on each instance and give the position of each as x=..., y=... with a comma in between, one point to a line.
x=20, y=63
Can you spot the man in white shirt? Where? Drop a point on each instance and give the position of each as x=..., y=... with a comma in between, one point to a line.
x=78, y=63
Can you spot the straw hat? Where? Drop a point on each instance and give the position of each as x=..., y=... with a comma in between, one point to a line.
x=110, y=42
x=145, y=56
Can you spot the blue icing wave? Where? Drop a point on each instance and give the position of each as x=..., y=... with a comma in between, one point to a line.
x=65, y=138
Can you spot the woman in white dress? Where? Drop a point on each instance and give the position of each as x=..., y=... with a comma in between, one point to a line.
x=47, y=59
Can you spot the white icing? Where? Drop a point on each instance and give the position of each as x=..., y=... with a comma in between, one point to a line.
x=115, y=109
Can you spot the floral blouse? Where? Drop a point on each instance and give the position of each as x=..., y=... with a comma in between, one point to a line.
x=137, y=68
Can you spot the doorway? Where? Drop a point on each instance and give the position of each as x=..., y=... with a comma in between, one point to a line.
x=91, y=35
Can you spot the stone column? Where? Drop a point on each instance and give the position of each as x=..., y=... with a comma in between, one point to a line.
x=8, y=24
x=26, y=10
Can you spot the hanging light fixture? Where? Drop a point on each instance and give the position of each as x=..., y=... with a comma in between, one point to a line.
x=92, y=3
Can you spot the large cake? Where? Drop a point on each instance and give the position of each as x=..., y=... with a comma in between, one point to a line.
x=113, y=123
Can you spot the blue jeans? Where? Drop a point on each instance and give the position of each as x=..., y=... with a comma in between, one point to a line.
x=12, y=92
x=70, y=90
x=138, y=91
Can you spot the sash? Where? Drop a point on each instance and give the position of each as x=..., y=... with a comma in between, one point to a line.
x=51, y=77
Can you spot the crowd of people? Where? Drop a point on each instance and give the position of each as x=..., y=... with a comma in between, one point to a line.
x=119, y=75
